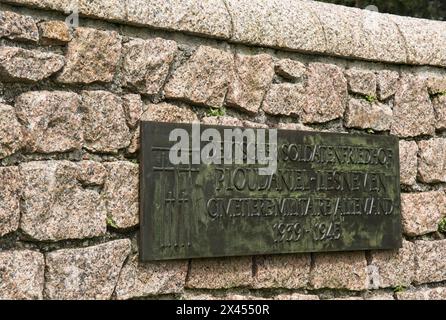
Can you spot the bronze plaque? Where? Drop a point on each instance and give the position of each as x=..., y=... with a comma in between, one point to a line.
x=324, y=192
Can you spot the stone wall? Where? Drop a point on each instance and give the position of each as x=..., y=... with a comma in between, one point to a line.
x=71, y=100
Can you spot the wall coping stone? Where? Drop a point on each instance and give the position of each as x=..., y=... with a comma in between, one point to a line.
x=298, y=25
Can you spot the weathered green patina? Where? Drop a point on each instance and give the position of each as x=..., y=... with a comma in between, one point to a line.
x=330, y=192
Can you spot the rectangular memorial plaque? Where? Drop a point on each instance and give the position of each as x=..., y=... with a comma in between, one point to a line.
x=328, y=192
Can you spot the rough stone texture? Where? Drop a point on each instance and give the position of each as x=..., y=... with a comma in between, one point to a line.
x=254, y=125
x=49, y=4
x=59, y=5
x=220, y=273
x=351, y=32
x=51, y=120
x=387, y=82
x=133, y=107
x=166, y=112
x=54, y=32
x=146, y=64
x=439, y=104
x=163, y=112
x=436, y=85
x=361, y=81
x=277, y=23
x=18, y=27
x=296, y=296
x=432, y=160
x=320, y=30
x=307, y=26
x=424, y=40
x=408, y=162
x=421, y=212
x=365, y=115
x=21, y=275
x=92, y=56
x=10, y=131
x=219, y=296
x=346, y=270
x=121, y=193
x=55, y=205
x=379, y=296
x=242, y=297
x=17, y=64
x=294, y=126
x=198, y=296
x=284, y=99
x=154, y=278
x=347, y=298
x=423, y=294
x=9, y=200
x=290, y=69
x=282, y=271
x=251, y=77
x=135, y=141
x=85, y=273
x=222, y=121
x=91, y=173
x=110, y=9
x=326, y=93
x=430, y=259
x=208, y=17
x=395, y=267
x=413, y=112
x=391, y=43
x=104, y=122
x=189, y=83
